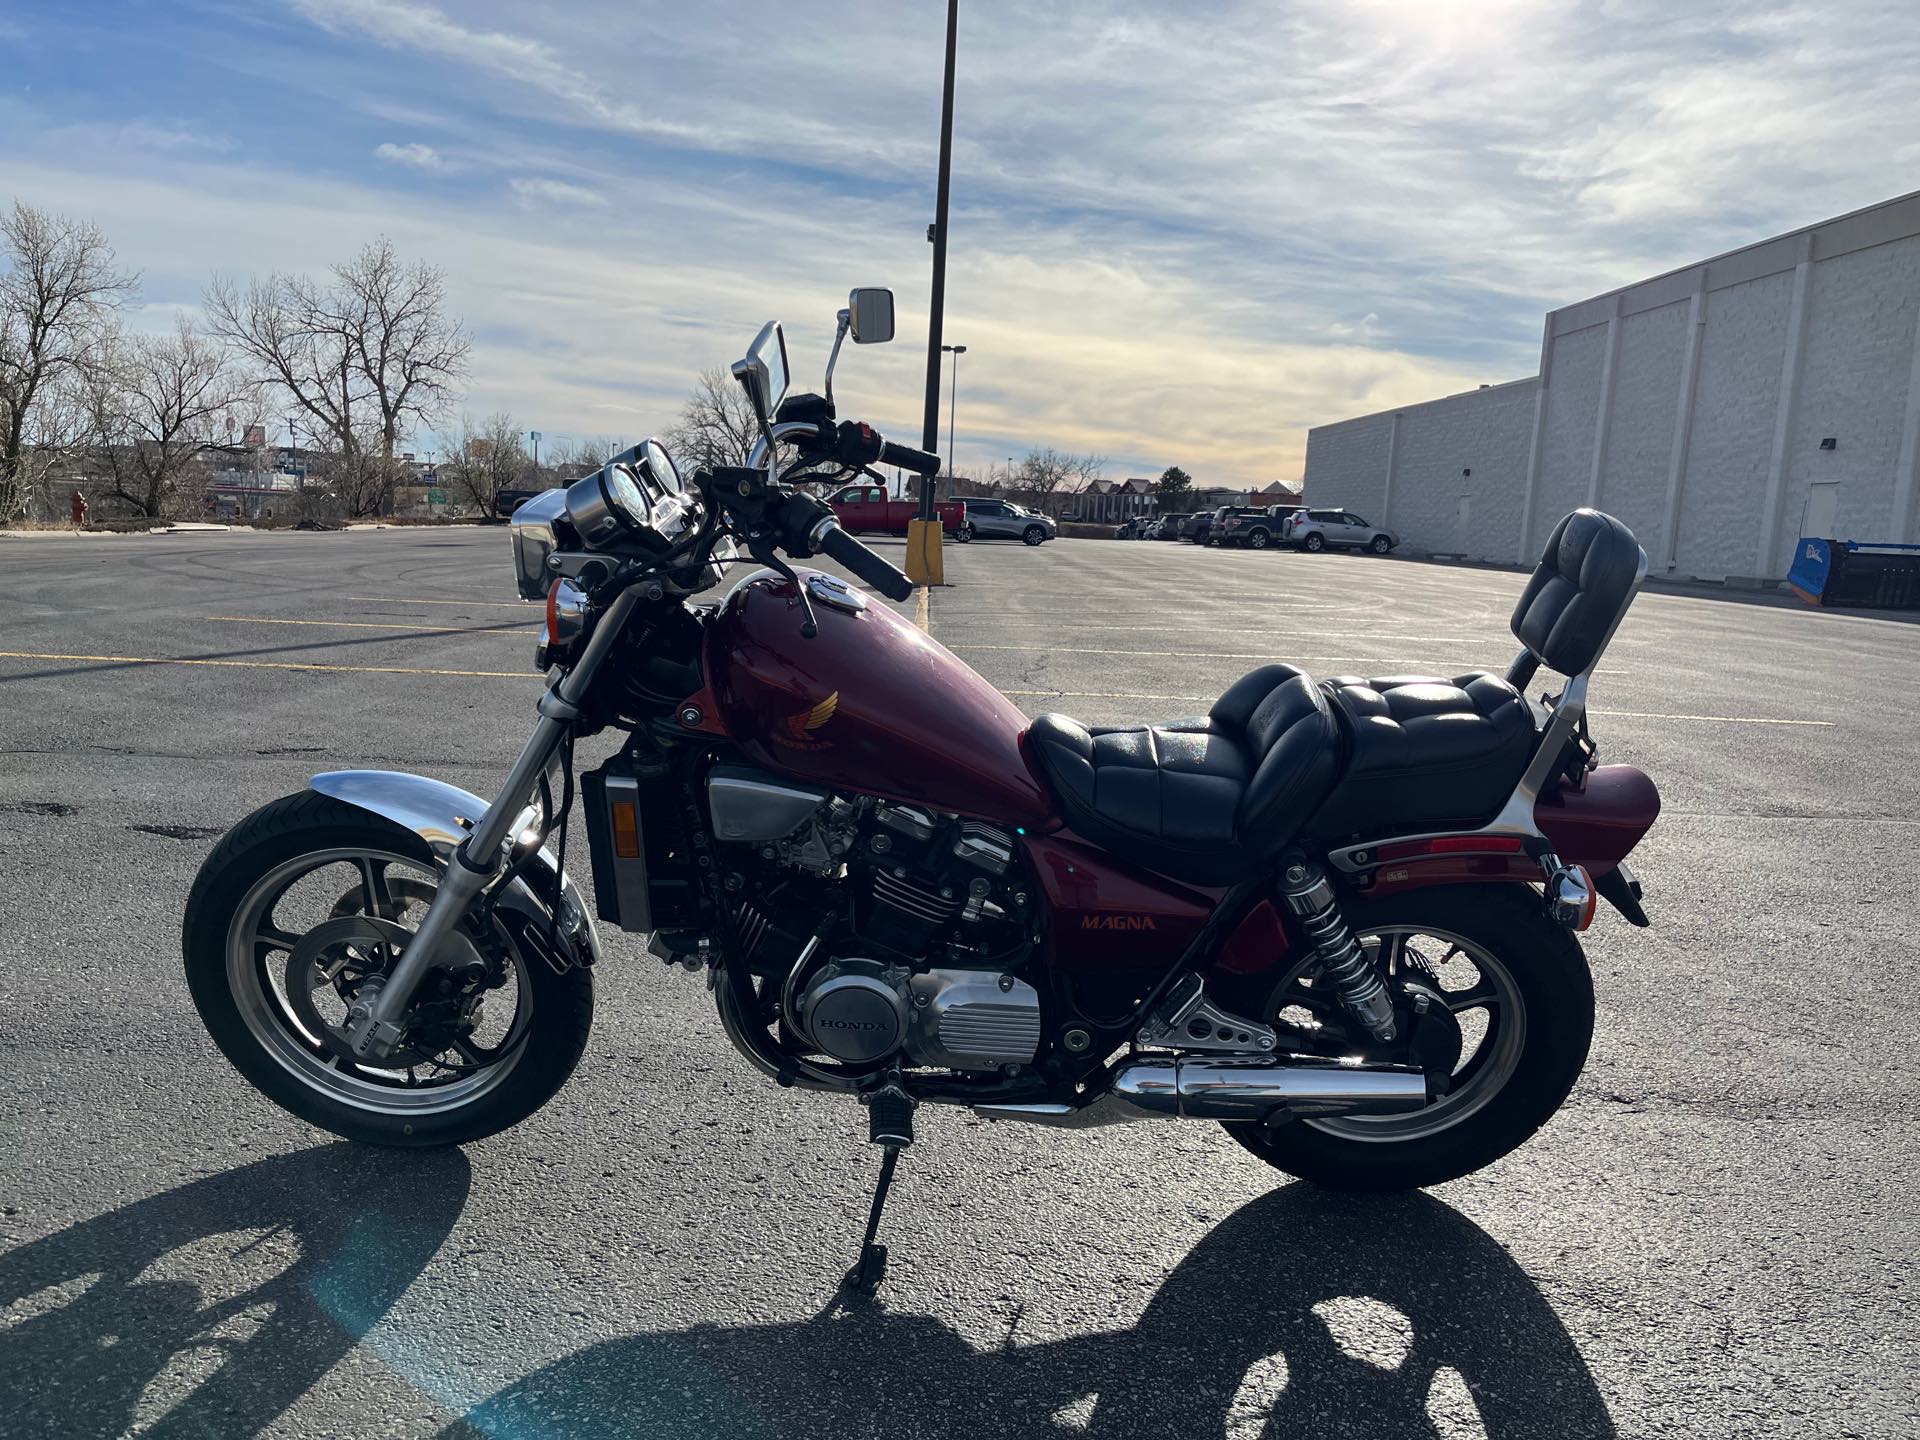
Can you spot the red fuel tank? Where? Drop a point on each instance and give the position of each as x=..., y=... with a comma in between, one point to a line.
x=871, y=703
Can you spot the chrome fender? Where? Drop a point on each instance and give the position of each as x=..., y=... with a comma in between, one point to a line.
x=442, y=814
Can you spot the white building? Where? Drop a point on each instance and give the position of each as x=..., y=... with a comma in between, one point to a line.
x=1720, y=410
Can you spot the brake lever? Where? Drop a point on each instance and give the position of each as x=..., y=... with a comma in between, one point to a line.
x=767, y=556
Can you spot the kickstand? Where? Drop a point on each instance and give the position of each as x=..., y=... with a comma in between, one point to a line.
x=871, y=1268
x=889, y=1125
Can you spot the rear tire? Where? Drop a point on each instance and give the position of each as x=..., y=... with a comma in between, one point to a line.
x=1313, y=544
x=1259, y=540
x=1554, y=995
x=281, y=835
x=964, y=534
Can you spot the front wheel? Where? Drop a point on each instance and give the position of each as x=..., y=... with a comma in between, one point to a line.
x=1381, y=545
x=1518, y=986
x=1033, y=535
x=307, y=902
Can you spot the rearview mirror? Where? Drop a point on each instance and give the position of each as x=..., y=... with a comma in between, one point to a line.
x=872, y=316
x=764, y=371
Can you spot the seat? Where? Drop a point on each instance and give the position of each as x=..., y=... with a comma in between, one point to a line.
x=1209, y=800
x=1422, y=753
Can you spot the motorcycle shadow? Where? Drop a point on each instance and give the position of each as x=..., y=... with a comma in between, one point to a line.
x=1302, y=1313
x=208, y=1309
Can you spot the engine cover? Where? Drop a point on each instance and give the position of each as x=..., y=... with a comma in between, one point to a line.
x=973, y=1020
x=854, y=1010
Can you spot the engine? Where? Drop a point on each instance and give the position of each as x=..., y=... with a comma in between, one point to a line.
x=888, y=932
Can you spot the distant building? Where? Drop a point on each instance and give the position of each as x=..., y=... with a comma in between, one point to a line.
x=1721, y=410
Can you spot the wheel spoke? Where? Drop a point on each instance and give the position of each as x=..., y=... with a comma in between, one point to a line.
x=373, y=884
x=1475, y=997
x=274, y=938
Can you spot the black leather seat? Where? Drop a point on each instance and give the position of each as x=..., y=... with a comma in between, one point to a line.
x=1425, y=753
x=1210, y=800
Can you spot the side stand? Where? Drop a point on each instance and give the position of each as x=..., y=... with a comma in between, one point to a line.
x=890, y=1125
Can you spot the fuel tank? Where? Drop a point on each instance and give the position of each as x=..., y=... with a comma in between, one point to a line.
x=872, y=703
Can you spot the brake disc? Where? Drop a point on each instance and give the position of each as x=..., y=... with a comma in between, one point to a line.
x=348, y=955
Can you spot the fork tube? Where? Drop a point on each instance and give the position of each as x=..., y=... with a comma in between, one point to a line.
x=373, y=1027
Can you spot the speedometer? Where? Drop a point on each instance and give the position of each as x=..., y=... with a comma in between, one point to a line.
x=625, y=496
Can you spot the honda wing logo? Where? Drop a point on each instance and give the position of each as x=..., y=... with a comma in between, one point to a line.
x=802, y=726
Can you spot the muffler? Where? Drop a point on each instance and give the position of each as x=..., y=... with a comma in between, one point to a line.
x=1259, y=1088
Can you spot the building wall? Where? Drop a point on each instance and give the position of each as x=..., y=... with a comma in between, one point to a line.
x=1434, y=507
x=1692, y=405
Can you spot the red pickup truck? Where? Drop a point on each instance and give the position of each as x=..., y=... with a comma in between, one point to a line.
x=866, y=508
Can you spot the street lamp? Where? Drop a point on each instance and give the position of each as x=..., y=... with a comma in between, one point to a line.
x=953, y=401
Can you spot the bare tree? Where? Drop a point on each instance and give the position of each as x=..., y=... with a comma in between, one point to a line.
x=717, y=425
x=60, y=288
x=156, y=406
x=1046, y=472
x=488, y=460
x=355, y=480
x=368, y=355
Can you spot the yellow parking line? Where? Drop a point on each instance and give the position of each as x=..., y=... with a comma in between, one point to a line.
x=527, y=674
x=364, y=625
x=422, y=600
x=923, y=616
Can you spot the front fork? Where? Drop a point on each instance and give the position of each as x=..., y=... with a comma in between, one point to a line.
x=375, y=1025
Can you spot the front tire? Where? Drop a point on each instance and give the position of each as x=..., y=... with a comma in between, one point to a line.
x=249, y=939
x=1033, y=535
x=1380, y=545
x=1538, y=1029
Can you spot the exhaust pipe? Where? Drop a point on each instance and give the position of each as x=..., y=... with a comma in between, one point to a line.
x=1257, y=1088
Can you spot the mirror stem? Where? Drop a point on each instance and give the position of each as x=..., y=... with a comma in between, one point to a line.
x=833, y=359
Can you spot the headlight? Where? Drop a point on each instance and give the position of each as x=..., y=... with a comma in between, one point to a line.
x=534, y=540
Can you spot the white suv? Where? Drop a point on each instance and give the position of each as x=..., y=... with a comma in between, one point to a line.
x=1316, y=530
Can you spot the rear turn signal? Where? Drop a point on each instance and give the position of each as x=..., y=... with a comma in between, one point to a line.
x=1572, y=896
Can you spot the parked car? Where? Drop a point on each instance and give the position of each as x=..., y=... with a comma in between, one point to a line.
x=1259, y=529
x=1134, y=529
x=1198, y=527
x=1169, y=526
x=1003, y=520
x=1316, y=530
x=867, y=508
x=1235, y=525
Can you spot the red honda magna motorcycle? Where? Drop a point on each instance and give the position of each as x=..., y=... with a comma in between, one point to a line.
x=1338, y=916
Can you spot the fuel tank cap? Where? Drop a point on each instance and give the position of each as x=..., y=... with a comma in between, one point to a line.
x=832, y=590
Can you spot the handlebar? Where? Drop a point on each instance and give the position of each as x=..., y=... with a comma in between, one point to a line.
x=921, y=462
x=875, y=569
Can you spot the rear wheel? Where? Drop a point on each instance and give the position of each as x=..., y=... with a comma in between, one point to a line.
x=1259, y=540
x=965, y=533
x=1313, y=544
x=1517, y=985
x=306, y=903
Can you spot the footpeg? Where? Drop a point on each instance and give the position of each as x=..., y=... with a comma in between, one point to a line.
x=890, y=1117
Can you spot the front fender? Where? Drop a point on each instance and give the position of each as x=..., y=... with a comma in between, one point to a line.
x=442, y=814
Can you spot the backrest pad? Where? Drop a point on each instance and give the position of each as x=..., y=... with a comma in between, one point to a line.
x=1584, y=580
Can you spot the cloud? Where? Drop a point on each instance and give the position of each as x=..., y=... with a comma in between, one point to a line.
x=536, y=191
x=1175, y=231
x=416, y=155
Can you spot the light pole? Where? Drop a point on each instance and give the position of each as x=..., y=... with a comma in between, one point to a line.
x=937, y=233
x=953, y=403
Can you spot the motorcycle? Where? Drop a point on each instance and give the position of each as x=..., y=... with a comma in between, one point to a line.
x=1340, y=917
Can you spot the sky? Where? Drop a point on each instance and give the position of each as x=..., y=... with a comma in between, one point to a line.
x=1181, y=233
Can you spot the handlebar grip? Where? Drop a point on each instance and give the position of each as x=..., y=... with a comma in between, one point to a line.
x=918, y=461
x=870, y=566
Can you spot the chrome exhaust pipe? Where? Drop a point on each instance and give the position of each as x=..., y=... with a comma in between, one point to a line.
x=1260, y=1088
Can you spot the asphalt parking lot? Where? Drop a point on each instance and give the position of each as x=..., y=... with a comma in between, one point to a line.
x=1715, y=1238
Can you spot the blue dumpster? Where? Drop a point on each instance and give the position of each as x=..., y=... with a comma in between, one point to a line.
x=1853, y=572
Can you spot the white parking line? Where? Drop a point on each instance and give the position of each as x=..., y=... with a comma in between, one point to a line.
x=422, y=600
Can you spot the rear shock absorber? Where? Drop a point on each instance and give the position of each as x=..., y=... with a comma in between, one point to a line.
x=1353, y=978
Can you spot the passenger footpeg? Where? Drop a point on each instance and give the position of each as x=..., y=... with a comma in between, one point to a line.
x=1187, y=1020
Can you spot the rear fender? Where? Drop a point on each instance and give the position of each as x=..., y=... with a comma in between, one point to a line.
x=442, y=815
x=1599, y=824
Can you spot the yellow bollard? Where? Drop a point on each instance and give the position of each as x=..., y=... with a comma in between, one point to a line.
x=924, y=562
